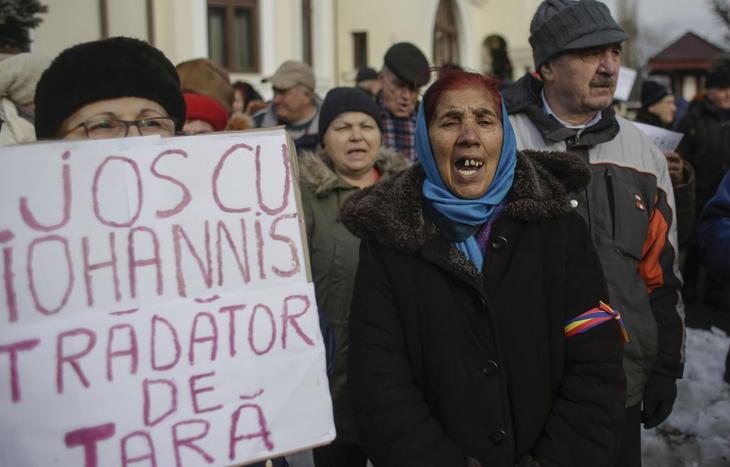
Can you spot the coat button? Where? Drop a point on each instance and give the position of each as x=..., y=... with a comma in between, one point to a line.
x=499, y=243
x=490, y=369
x=573, y=203
x=498, y=437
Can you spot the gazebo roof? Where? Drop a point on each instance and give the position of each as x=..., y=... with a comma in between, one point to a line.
x=689, y=52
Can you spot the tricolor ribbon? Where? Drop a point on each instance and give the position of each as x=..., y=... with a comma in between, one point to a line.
x=593, y=318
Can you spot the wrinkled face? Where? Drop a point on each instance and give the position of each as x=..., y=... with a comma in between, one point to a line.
x=398, y=96
x=665, y=109
x=582, y=82
x=293, y=104
x=466, y=138
x=720, y=97
x=122, y=108
x=352, y=142
x=197, y=127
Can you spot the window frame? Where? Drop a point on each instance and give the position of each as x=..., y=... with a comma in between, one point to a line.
x=230, y=46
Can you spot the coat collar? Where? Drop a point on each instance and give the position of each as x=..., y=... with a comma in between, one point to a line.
x=391, y=212
x=317, y=172
x=523, y=96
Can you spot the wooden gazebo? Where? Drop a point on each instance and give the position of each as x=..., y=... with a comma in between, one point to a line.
x=687, y=58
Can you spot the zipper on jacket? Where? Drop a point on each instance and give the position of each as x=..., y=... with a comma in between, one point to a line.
x=611, y=201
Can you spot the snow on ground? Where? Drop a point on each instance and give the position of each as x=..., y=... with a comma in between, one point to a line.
x=697, y=434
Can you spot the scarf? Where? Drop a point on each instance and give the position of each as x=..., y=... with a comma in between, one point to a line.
x=459, y=219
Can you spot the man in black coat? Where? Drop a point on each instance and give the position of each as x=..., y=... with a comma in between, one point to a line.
x=706, y=145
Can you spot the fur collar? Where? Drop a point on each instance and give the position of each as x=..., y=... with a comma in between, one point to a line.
x=391, y=212
x=316, y=171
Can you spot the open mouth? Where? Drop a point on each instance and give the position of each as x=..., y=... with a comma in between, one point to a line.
x=468, y=166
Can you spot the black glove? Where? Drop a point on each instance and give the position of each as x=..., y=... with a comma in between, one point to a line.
x=659, y=395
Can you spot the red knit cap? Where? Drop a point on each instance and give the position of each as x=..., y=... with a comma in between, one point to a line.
x=205, y=108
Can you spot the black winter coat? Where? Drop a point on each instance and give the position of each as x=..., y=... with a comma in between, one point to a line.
x=450, y=367
x=706, y=145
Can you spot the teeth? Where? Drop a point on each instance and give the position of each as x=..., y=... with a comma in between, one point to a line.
x=473, y=163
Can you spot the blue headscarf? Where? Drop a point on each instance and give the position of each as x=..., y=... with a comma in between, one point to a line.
x=471, y=213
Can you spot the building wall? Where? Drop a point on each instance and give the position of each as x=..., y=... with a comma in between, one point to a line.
x=67, y=22
x=180, y=30
x=387, y=22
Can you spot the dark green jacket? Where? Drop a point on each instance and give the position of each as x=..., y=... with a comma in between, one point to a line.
x=333, y=253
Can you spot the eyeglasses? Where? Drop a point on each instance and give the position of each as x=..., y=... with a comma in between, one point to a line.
x=113, y=128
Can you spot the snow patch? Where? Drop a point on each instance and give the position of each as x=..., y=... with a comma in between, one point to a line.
x=697, y=434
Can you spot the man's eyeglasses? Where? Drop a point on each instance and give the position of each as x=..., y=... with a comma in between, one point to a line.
x=113, y=128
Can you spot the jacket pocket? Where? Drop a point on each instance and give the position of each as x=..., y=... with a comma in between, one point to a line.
x=629, y=213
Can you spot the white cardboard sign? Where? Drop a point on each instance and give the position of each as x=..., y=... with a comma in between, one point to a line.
x=665, y=140
x=155, y=306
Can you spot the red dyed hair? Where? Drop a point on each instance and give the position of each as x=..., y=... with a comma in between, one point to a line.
x=453, y=77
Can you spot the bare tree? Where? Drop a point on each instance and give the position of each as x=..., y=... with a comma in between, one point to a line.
x=721, y=8
x=17, y=18
x=627, y=18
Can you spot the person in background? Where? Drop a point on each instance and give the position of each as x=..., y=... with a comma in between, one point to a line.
x=203, y=115
x=474, y=272
x=295, y=104
x=713, y=234
x=19, y=75
x=367, y=80
x=404, y=72
x=350, y=157
x=658, y=109
x=127, y=88
x=207, y=77
x=245, y=98
x=629, y=204
x=706, y=145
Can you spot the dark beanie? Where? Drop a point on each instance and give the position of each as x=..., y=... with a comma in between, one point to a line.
x=562, y=25
x=344, y=99
x=719, y=73
x=105, y=69
x=652, y=92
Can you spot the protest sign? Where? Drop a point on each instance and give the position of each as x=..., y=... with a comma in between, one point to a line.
x=155, y=306
x=665, y=140
x=624, y=84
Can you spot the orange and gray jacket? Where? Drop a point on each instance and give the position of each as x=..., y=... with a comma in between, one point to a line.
x=630, y=212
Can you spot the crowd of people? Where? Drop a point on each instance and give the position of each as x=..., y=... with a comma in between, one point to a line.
x=498, y=266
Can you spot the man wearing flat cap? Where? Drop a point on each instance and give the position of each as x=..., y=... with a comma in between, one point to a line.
x=405, y=70
x=295, y=104
x=628, y=206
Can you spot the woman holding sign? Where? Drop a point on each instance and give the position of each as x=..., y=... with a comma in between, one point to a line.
x=479, y=330
x=350, y=158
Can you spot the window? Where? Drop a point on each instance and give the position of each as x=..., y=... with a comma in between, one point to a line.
x=446, y=35
x=360, y=49
x=307, y=31
x=233, y=34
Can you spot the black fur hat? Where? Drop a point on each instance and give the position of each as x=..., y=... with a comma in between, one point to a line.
x=105, y=69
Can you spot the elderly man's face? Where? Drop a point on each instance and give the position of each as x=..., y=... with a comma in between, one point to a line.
x=292, y=105
x=581, y=83
x=398, y=96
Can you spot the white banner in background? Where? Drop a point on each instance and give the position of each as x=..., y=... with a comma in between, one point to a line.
x=155, y=307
